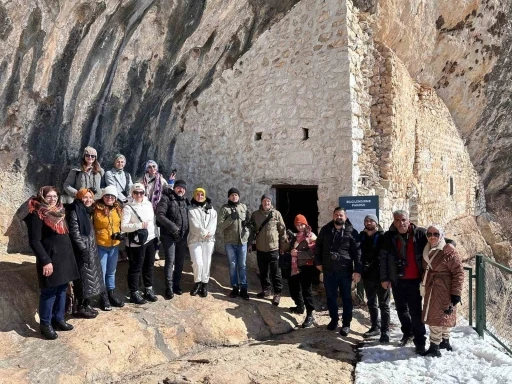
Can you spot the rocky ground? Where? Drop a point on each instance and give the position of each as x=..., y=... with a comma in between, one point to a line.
x=184, y=340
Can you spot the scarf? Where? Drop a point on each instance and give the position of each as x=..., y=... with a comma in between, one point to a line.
x=301, y=236
x=82, y=214
x=157, y=189
x=53, y=217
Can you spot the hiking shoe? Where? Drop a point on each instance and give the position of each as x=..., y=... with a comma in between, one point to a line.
x=384, y=338
x=149, y=294
x=276, y=300
x=332, y=325
x=264, y=294
x=136, y=298
x=344, y=331
x=373, y=331
x=404, y=340
x=445, y=344
x=308, y=322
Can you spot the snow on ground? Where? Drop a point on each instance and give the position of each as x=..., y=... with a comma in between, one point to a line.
x=473, y=360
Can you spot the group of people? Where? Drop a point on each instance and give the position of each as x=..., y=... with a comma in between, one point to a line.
x=79, y=241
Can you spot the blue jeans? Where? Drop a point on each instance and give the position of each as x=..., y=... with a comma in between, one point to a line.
x=52, y=304
x=237, y=255
x=108, y=259
x=332, y=283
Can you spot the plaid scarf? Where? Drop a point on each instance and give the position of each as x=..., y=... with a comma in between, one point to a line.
x=51, y=216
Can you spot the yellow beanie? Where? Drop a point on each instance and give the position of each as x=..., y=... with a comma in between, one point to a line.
x=199, y=190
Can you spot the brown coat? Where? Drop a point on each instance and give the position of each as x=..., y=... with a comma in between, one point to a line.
x=443, y=280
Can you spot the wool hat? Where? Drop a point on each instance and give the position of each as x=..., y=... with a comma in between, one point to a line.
x=372, y=217
x=197, y=190
x=266, y=196
x=82, y=192
x=137, y=187
x=150, y=162
x=300, y=219
x=233, y=190
x=90, y=151
x=110, y=190
x=180, y=183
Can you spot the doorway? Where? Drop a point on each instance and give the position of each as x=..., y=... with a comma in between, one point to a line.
x=294, y=199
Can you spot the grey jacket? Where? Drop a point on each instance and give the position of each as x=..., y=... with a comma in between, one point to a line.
x=78, y=179
x=120, y=179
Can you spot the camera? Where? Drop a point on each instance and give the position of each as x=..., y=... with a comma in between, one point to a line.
x=400, y=268
x=335, y=255
x=118, y=236
x=93, y=190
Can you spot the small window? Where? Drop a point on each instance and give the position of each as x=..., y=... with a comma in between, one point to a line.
x=257, y=136
x=305, y=133
x=451, y=186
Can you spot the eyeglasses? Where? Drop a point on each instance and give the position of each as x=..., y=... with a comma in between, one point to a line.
x=435, y=234
x=52, y=196
x=109, y=196
x=91, y=156
x=138, y=192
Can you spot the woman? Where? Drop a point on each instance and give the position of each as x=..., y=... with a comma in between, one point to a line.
x=201, y=239
x=138, y=215
x=154, y=183
x=107, y=227
x=55, y=262
x=119, y=178
x=441, y=288
x=81, y=232
x=88, y=175
x=303, y=270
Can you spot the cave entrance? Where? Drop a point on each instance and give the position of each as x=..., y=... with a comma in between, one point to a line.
x=294, y=199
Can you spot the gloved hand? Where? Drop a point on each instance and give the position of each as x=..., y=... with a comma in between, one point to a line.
x=176, y=235
x=235, y=215
x=455, y=300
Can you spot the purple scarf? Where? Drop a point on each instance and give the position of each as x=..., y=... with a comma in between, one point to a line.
x=157, y=190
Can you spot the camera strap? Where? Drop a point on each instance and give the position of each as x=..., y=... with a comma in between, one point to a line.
x=136, y=214
x=267, y=219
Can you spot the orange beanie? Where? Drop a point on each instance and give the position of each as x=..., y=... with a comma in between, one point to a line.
x=300, y=219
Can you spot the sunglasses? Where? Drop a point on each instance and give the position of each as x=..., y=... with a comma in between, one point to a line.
x=151, y=166
x=110, y=196
x=138, y=192
x=91, y=156
x=435, y=234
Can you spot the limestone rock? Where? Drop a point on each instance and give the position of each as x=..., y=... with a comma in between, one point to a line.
x=491, y=230
x=502, y=252
x=468, y=237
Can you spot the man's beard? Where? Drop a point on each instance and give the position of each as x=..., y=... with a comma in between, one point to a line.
x=339, y=222
x=370, y=228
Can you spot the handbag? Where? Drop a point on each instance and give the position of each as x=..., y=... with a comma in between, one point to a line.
x=139, y=236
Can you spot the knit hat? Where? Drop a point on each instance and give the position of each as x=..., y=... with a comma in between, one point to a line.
x=150, y=162
x=197, y=190
x=266, y=196
x=82, y=192
x=90, y=151
x=110, y=190
x=300, y=219
x=180, y=183
x=233, y=190
x=137, y=187
x=372, y=217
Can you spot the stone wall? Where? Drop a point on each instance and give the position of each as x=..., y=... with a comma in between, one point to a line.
x=248, y=129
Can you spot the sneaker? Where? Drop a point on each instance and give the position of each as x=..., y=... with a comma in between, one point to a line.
x=373, y=331
x=150, y=295
x=244, y=294
x=276, y=299
x=308, y=322
x=136, y=298
x=234, y=292
x=445, y=344
x=344, y=331
x=264, y=294
x=404, y=340
x=384, y=338
x=297, y=310
x=332, y=325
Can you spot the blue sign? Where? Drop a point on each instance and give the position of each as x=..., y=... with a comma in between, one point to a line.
x=358, y=207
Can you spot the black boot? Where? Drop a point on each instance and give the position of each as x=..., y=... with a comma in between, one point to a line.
x=136, y=298
x=384, y=337
x=234, y=292
x=297, y=310
x=405, y=339
x=244, y=294
x=105, y=302
x=61, y=325
x=150, y=295
x=308, y=322
x=87, y=305
x=445, y=344
x=373, y=331
x=420, y=349
x=196, y=289
x=177, y=290
x=432, y=351
x=84, y=310
x=169, y=294
x=48, y=332
x=204, y=290
x=114, y=300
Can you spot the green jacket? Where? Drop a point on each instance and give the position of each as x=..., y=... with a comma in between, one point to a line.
x=272, y=235
x=235, y=231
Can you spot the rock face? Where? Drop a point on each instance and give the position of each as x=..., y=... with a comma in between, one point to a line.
x=187, y=337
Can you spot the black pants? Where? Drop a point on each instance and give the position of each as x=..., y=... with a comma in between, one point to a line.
x=408, y=307
x=268, y=263
x=141, y=259
x=373, y=290
x=300, y=288
x=174, y=255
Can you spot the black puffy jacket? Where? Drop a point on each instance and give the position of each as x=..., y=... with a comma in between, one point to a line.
x=172, y=214
x=86, y=254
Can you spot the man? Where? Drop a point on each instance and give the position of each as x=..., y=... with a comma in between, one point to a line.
x=233, y=221
x=400, y=260
x=172, y=216
x=119, y=178
x=338, y=256
x=269, y=233
x=370, y=239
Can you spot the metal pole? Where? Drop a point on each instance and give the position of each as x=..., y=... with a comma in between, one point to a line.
x=480, y=295
x=470, y=296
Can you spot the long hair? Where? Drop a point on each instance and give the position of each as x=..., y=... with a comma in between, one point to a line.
x=96, y=167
